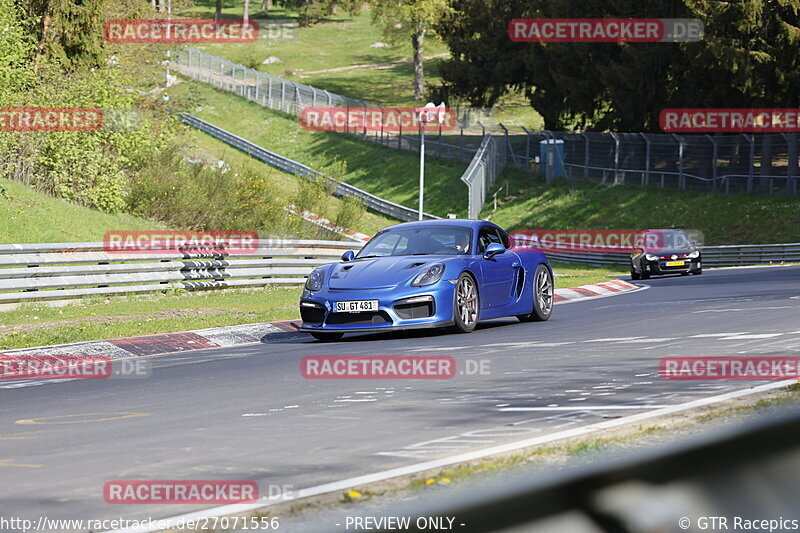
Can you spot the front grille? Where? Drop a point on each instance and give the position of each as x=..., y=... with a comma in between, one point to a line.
x=369, y=317
x=312, y=315
x=415, y=310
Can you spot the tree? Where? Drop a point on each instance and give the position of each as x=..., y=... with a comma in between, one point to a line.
x=410, y=19
x=246, y=15
x=746, y=59
x=218, y=11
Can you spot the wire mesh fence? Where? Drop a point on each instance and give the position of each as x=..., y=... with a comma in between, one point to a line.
x=724, y=163
x=721, y=163
x=291, y=97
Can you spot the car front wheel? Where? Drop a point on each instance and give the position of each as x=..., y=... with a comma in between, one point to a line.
x=466, y=304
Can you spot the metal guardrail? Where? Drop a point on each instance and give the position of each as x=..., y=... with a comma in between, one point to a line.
x=713, y=256
x=289, y=166
x=73, y=270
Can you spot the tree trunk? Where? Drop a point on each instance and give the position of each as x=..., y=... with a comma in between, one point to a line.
x=218, y=12
x=246, y=16
x=417, y=43
x=266, y=5
x=43, y=42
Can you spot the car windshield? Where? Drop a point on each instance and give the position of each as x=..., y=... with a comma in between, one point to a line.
x=419, y=240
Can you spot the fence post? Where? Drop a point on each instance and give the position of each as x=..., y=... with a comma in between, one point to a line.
x=400, y=136
x=585, y=157
x=283, y=94
x=616, y=160
x=791, y=166
x=527, y=146
x=750, y=165
x=713, y=163
x=507, y=142
x=646, y=175
x=681, y=184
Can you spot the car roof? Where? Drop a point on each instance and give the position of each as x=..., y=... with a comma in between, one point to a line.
x=469, y=222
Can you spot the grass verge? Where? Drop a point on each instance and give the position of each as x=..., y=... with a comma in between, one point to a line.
x=731, y=219
x=95, y=318
x=28, y=216
x=389, y=173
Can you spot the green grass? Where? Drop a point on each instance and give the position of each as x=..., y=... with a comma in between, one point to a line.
x=576, y=275
x=28, y=216
x=36, y=324
x=99, y=317
x=286, y=184
x=389, y=173
x=732, y=219
x=344, y=41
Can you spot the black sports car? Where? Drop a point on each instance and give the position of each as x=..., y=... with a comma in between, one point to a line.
x=665, y=251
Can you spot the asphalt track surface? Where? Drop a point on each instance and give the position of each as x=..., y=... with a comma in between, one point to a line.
x=246, y=413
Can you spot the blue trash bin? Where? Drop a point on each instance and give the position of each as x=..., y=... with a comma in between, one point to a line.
x=551, y=153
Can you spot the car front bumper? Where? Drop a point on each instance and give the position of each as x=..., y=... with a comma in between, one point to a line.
x=660, y=268
x=399, y=308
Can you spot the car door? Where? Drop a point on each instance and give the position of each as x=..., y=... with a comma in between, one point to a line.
x=499, y=272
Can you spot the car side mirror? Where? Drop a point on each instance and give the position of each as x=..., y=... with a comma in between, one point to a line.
x=493, y=250
x=349, y=255
x=697, y=243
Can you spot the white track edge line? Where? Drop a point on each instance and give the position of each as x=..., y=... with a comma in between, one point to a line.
x=417, y=468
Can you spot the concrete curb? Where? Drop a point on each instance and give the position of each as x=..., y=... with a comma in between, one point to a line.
x=202, y=339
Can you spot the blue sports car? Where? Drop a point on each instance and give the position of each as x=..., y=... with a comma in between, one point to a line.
x=428, y=274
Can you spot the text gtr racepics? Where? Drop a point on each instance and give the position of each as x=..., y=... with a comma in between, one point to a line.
x=428, y=274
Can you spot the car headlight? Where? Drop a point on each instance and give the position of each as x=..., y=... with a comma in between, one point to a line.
x=694, y=255
x=651, y=257
x=429, y=275
x=314, y=281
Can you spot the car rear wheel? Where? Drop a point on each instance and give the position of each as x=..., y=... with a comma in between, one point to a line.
x=327, y=337
x=542, y=296
x=466, y=304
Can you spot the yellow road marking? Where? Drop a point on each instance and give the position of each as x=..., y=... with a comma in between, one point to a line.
x=106, y=417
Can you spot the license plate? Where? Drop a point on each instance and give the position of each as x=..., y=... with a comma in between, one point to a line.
x=356, y=306
x=675, y=263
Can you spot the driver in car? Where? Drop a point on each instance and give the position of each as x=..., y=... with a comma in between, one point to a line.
x=462, y=244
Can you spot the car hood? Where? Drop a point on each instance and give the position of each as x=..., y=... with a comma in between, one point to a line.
x=379, y=272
